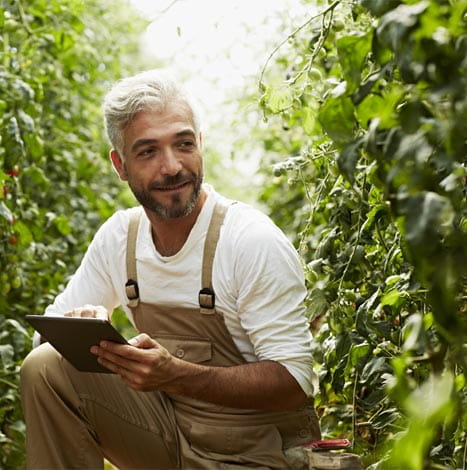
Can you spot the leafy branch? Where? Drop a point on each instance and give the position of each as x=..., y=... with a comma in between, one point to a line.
x=330, y=8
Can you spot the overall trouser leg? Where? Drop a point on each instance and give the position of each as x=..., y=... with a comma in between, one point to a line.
x=75, y=419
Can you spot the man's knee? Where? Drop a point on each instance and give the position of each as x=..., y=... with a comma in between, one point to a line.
x=36, y=364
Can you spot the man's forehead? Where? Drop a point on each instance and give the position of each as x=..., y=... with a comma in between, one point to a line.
x=151, y=126
x=173, y=114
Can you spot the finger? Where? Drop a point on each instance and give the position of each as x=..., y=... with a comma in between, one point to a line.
x=89, y=311
x=134, y=374
x=115, y=360
x=111, y=366
x=76, y=312
x=143, y=341
x=101, y=312
x=122, y=350
x=94, y=311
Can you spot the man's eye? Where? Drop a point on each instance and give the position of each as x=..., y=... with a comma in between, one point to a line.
x=186, y=144
x=146, y=152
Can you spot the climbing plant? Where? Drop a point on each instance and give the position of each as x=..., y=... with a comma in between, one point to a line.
x=365, y=143
x=56, y=187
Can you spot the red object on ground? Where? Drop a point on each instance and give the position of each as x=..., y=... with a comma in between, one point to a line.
x=328, y=444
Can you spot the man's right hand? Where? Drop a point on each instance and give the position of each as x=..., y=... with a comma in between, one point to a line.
x=89, y=311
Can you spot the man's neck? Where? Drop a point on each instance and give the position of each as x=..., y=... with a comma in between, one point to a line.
x=169, y=235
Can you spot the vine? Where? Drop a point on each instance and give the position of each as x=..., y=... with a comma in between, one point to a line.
x=380, y=217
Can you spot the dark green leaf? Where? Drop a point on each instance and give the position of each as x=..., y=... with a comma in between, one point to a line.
x=352, y=50
x=375, y=366
x=348, y=158
x=396, y=25
x=337, y=118
x=379, y=7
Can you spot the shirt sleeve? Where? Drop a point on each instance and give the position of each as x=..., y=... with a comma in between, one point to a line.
x=270, y=298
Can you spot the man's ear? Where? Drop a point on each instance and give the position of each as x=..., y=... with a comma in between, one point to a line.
x=117, y=163
x=200, y=140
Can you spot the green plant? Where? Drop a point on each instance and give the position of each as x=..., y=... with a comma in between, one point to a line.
x=368, y=102
x=56, y=58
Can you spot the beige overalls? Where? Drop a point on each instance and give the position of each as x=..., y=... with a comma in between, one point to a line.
x=156, y=430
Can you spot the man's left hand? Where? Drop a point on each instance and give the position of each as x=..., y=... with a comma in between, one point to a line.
x=143, y=364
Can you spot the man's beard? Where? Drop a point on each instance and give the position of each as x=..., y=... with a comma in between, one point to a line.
x=177, y=208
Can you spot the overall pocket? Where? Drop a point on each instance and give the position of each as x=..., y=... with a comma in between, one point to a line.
x=253, y=446
x=195, y=350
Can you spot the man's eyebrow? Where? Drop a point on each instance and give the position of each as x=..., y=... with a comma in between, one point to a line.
x=142, y=142
x=185, y=133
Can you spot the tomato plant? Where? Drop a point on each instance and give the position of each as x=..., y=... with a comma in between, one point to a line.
x=366, y=148
x=56, y=58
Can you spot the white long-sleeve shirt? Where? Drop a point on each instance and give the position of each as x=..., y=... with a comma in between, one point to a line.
x=257, y=278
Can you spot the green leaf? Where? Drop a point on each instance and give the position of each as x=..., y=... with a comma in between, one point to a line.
x=6, y=355
x=278, y=98
x=375, y=366
x=366, y=86
x=353, y=50
x=379, y=7
x=5, y=212
x=337, y=118
x=309, y=120
x=25, y=235
x=318, y=303
x=35, y=177
x=358, y=354
x=413, y=333
x=17, y=327
x=348, y=158
x=13, y=143
x=62, y=222
x=34, y=145
x=373, y=216
x=392, y=298
x=26, y=122
x=396, y=25
x=428, y=216
x=381, y=107
x=412, y=115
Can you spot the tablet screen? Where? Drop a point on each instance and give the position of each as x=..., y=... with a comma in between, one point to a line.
x=73, y=337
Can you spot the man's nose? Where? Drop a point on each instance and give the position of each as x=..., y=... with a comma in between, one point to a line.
x=170, y=164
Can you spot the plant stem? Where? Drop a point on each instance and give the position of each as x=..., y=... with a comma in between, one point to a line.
x=291, y=35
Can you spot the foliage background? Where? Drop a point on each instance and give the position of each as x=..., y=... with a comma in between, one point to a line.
x=56, y=59
x=367, y=99
x=364, y=142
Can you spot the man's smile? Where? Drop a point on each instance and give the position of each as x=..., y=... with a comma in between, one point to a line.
x=172, y=187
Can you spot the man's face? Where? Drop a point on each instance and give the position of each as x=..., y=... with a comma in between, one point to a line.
x=163, y=162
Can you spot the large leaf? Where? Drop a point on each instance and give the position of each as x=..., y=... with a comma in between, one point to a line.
x=337, y=118
x=353, y=50
x=428, y=217
x=396, y=24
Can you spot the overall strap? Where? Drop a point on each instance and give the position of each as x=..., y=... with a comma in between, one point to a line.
x=131, y=285
x=207, y=298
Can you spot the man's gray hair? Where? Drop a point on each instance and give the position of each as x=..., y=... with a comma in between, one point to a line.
x=152, y=90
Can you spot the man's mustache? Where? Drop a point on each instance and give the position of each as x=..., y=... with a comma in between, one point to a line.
x=171, y=181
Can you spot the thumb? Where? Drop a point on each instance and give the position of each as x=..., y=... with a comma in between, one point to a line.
x=142, y=341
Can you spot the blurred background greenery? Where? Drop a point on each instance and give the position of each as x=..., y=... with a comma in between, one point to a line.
x=345, y=121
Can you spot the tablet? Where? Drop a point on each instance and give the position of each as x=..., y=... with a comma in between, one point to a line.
x=72, y=337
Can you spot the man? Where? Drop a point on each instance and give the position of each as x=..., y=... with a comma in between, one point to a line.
x=220, y=375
